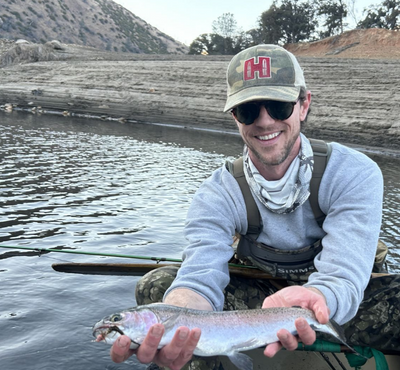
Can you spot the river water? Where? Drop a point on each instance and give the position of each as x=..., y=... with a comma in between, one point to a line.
x=100, y=186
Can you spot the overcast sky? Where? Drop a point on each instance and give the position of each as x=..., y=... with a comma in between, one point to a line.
x=184, y=20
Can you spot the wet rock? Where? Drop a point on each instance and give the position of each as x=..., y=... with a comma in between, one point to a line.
x=55, y=44
x=21, y=41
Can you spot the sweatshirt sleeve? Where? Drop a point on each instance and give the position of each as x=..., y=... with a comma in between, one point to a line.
x=351, y=196
x=216, y=211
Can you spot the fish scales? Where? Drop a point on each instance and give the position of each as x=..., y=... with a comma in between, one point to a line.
x=222, y=333
x=227, y=329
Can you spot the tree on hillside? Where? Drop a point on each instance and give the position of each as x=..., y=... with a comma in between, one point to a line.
x=225, y=26
x=201, y=45
x=393, y=14
x=254, y=36
x=385, y=15
x=226, y=39
x=334, y=12
x=351, y=10
x=270, y=30
x=288, y=21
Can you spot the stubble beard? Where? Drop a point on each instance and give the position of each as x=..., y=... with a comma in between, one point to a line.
x=278, y=159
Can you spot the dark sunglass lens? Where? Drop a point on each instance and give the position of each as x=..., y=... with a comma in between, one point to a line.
x=247, y=113
x=280, y=110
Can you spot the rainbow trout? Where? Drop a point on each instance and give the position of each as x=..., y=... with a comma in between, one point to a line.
x=222, y=333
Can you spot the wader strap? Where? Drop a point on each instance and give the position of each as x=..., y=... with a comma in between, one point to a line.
x=322, y=152
x=253, y=215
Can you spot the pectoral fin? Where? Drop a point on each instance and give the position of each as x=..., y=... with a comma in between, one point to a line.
x=241, y=361
x=169, y=323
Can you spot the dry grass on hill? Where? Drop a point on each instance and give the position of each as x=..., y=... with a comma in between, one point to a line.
x=373, y=43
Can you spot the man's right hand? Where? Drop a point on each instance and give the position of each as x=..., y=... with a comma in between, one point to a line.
x=173, y=355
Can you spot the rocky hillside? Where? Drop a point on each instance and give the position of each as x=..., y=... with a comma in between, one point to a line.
x=102, y=24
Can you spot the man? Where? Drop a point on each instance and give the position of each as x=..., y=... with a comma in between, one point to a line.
x=268, y=100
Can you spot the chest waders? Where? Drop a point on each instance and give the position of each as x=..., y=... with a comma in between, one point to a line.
x=295, y=265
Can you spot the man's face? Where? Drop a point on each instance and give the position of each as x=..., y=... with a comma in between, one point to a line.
x=272, y=142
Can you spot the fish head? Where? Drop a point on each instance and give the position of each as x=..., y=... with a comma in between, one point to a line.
x=109, y=328
x=133, y=323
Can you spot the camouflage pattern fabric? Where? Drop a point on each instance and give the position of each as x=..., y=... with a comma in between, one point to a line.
x=152, y=286
x=377, y=323
x=240, y=294
x=263, y=72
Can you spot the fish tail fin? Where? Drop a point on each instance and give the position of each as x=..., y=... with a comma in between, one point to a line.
x=342, y=338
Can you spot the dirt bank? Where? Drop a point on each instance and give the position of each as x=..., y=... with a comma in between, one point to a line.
x=373, y=43
x=354, y=100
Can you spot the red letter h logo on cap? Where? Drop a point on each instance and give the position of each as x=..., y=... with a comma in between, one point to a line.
x=263, y=68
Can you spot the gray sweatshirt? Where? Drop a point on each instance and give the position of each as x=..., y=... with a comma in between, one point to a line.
x=351, y=195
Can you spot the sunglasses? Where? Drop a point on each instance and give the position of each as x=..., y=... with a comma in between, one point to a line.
x=247, y=113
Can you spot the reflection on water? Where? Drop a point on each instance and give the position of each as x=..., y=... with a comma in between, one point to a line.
x=100, y=187
x=391, y=209
x=68, y=188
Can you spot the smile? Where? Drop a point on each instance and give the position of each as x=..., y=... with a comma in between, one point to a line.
x=269, y=137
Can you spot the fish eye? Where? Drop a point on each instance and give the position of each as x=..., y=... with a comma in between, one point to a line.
x=115, y=318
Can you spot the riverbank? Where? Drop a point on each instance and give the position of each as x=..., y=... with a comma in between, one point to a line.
x=355, y=101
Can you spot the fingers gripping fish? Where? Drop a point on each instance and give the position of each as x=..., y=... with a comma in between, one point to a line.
x=222, y=333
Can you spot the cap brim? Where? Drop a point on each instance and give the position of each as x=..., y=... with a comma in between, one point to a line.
x=279, y=93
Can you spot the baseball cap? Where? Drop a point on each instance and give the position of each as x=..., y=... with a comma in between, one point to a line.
x=263, y=72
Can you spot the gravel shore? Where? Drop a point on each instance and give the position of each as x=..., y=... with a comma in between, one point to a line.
x=355, y=101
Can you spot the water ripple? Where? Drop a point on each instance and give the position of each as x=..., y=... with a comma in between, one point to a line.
x=92, y=186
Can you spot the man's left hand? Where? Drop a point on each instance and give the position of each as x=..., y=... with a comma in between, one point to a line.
x=310, y=298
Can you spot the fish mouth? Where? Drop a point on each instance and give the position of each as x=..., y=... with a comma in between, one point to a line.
x=101, y=333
